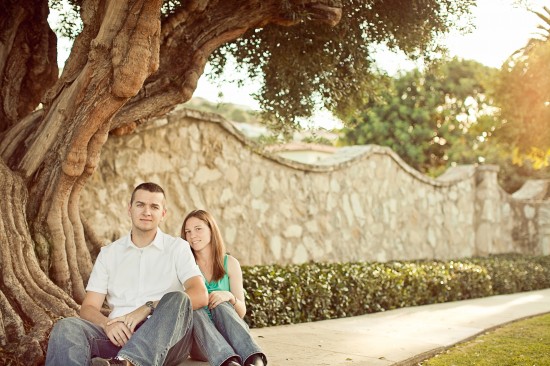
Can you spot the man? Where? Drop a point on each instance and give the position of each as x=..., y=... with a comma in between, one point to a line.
x=151, y=284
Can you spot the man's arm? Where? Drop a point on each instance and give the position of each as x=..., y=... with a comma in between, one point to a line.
x=90, y=310
x=196, y=290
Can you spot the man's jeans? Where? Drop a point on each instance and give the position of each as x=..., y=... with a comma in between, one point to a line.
x=226, y=336
x=164, y=339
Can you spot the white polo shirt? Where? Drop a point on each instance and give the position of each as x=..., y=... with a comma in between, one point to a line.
x=131, y=276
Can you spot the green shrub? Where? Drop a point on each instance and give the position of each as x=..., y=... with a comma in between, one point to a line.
x=291, y=294
x=513, y=273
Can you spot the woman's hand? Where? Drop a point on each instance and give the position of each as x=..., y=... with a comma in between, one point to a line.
x=217, y=297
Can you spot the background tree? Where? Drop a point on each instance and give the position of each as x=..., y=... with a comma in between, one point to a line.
x=133, y=60
x=446, y=115
x=430, y=117
x=522, y=94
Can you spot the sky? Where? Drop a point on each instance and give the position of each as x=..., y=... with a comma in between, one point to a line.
x=500, y=29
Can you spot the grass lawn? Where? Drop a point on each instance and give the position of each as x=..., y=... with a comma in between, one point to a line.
x=525, y=342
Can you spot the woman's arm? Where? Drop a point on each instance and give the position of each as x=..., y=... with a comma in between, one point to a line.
x=235, y=274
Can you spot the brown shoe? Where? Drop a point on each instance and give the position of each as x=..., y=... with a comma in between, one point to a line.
x=255, y=360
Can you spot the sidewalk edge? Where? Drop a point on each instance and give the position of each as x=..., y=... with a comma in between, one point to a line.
x=413, y=361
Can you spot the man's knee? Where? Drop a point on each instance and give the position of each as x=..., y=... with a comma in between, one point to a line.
x=65, y=327
x=176, y=298
x=68, y=323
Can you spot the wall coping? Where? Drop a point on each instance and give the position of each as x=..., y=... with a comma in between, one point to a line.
x=342, y=158
x=532, y=191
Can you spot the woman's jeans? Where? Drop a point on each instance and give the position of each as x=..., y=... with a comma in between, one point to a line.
x=164, y=339
x=223, y=337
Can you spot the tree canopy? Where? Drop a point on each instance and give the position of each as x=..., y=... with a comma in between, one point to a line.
x=311, y=55
x=335, y=65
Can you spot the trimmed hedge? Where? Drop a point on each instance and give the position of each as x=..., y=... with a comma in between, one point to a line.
x=291, y=294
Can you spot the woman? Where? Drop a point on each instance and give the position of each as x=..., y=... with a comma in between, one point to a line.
x=220, y=334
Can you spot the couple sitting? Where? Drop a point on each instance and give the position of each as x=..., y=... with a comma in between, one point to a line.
x=161, y=308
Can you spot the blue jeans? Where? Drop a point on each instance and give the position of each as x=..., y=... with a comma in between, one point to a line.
x=223, y=337
x=164, y=339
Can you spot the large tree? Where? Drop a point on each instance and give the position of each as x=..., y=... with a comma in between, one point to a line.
x=134, y=60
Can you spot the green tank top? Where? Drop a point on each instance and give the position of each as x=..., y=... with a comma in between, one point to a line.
x=222, y=284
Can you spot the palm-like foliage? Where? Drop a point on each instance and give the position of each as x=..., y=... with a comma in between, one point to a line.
x=544, y=28
x=523, y=95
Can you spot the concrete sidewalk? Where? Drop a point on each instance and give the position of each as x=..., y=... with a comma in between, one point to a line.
x=397, y=337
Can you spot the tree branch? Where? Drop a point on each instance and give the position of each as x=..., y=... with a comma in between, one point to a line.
x=190, y=36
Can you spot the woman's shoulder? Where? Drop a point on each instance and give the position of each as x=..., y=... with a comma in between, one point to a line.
x=232, y=263
x=230, y=258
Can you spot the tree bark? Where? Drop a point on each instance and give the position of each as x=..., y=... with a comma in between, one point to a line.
x=29, y=301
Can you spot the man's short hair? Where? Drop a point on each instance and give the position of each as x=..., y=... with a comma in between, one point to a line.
x=149, y=187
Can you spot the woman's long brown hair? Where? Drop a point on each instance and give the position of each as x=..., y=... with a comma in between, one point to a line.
x=218, y=246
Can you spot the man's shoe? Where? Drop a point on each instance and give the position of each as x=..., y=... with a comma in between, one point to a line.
x=255, y=360
x=98, y=361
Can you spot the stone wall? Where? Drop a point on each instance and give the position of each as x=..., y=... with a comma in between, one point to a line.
x=363, y=203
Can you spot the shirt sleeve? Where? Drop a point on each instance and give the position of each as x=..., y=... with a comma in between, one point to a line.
x=186, y=267
x=99, y=278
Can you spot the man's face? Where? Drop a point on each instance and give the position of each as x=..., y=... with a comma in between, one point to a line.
x=147, y=210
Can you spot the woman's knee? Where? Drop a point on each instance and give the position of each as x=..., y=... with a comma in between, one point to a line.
x=225, y=307
x=224, y=310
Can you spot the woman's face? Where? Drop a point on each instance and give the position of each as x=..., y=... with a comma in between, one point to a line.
x=197, y=233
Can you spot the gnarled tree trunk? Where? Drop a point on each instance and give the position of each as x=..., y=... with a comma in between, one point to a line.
x=125, y=67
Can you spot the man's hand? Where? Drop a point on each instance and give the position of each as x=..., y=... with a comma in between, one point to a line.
x=118, y=332
x=130, y=320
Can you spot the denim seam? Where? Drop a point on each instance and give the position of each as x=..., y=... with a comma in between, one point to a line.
x=164, y=353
